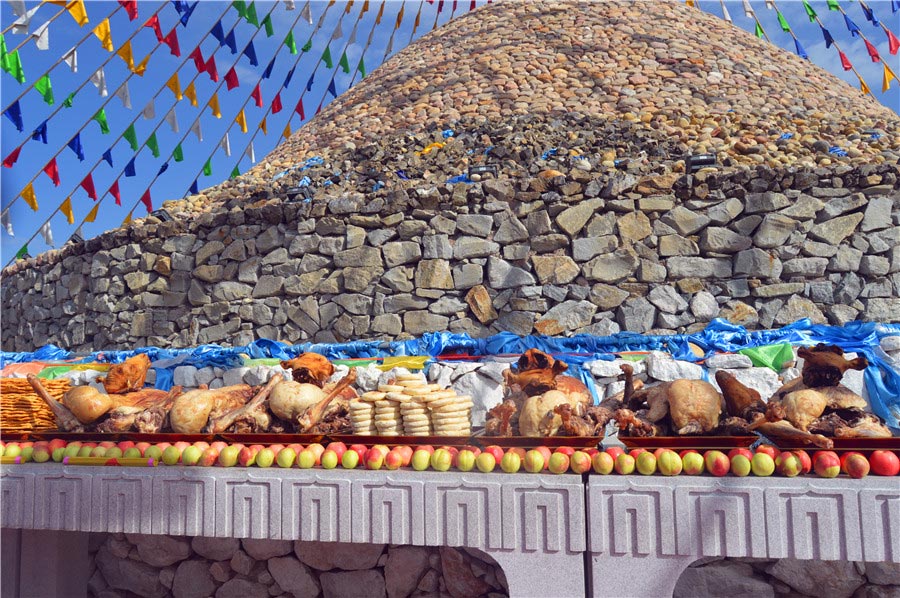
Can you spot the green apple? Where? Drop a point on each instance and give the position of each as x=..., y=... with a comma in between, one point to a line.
x=762, y=465
x=190, y=456
x=486, y=462
x=329, y=459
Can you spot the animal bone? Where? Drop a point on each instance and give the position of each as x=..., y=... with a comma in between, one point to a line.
x=740, y=400
x=499, y=419
x=220, y=424
x=783, y=430
x=314, y=414
x=65, y=419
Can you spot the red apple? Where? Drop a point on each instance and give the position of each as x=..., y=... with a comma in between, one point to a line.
x=360, y=450
x=127, y=444
x=669, y=463
x=686, y=452
x=143, y=446
x=208, y=458
x=496, y=451
x=247, y=456
x=568, y=451
x=635, y=453
x=614, y=451
x=580, y=462
x=109, y=444
x=297, y=448
x=788, y=464
x=741, y=451
x=717, y=463
x=805, y=461
x=769, y=450
x=559, y=462
x=374, y=458
x=693, y=463
x=219, y=445
x=425, y=447
x=603, y=463
x=200, y=444
x=394, y=459
x=624, y=464
x=827, y=464
x=534, y=461
x=659, y=452
x=317, y=450
x=884, y=463
x=454, y=453
x=857, y=466
x=546, y=453
x=471, y=447
x=406, y=453
x=518, y=450
x=338, y=447
x=844, y=458
x=58, y=443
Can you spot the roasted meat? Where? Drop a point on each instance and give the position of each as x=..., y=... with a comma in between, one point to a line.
x=572, y=423
x=825, y=365
x=740, y=400
x=309, y=368
x=192, y=410
x=127, y=376
x=499, y=419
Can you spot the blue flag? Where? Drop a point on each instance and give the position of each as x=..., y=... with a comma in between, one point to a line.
x=895, y=5
x=107, y=155
x=75, y=145
x=218, y=33
x=331, y=89
x=870, y=15
x=828, y=39
x=309, y=83
x=14, y=113
x=800, y=51
x=287, y=79
x=194, y=189
x=40, y=134
x=129, y=169
x=163, y=168
x=250, y=52
x=268, y=72
x=231, y=42
x=187, y=11
x=854, y=30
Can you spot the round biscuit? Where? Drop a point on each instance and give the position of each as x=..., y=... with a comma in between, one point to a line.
x=410, y=378
x=398, y=397
x=390, y=388
x=372, y=395
x=446, y=403
x=441, y=394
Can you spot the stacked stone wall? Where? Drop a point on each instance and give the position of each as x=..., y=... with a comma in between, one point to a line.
x=583, y=253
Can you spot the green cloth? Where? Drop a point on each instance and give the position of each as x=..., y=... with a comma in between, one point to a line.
x=307, y=46
x=361, y=68
x=326, y=56
x=44, y=88
x=131, y=137
x=178, y=154
x=345, y=64
x=267, y=23
x=207, y=168
x=833, y=5
x=290, y=43
x=100, y=117
x=759, y=30
x=22, y=252
x=251, y=14
x=810, y=12
x=68, y=101
x=240, y=7
x=153, y=145
x=54, y=371
x=235, y=173
x=783, y=22
x=770, y=356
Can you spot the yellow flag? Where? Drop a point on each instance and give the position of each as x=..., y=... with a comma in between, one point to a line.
x=29, y=197
x=77, y=10
x=888, y=75
x=365, y=7
x=175, y=85
x=191, y=94
x=103, y=34
x=862, y=85
x=262, y=125
x=689, y=3
x=125, y=54
x=287, y=131
x=242, y=121
x=214, y=106
x=399, y=18
x=66, y=209
x=92, y=215
x=139, y=69
x=127, y=219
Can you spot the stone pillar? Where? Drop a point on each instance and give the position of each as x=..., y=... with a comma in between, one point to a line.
x=42, y=563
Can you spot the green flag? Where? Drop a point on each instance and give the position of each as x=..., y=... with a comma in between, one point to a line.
x=361, y=68
x=4, y=57
x=131, y=137
x=44, y=88
x=326, y=56
x=770, y=356
x=68, y=101
x=833, y=5
x=240, y=7
x=178, y=154
x=307, y=46
x=267, y=23
x=345, y=64
x=759, y=32
x=100, y=117
x=207, y=168
x=153, y=145
x=235, y=173
x=15, y=66
x=781, y=21
x=22, y=252
x=251, y=14
x=810, y=12
x=290, y=43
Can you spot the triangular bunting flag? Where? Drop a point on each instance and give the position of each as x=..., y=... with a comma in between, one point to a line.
x=241, y=120
x=870, y=16
x=250, y=153
x=833, y=5
x=862, y=85
x=800, y=51
x=153, y=145
x=218, y=32
x=225, y=144
x=99, y=81
x=306, y=14
x=149, y=111
x=873, y=53
x=809, y=12
x=845, y=62
x=194, y=188
x=103, y=34
x=287, y=80
x=47, y=233
x=131, y=137
x=153, y=23
x=829, y=41
x=344, y=63
x=231, y=79
x=251, y=15
x=299, y=109
x=52, y=171
x=16, y=69
x=197, y=56
x=191, y=93
x=22, y=253
x=142, y=66
x=214, y=106
x=71, y=59
x=171, y=40
x=211, y=68
x=7, y=224
x=75, y=145
x=29, y=196
x=129, y=168
x=331, y=89
x=361, y=68
x=187, y=12
x=107, y=155
x=178, y=153
x=307, y=46
x=14, y=114
x=78, y=12
x=92, y=215
x=289, y=4
x=100, y=117
x=290, y=43
x=175, y=85
x=127, y=218
x=145, y=198
x=67, y=103
x=88, y=185
x=783, y=22
x=888, y=77
x=195, y=129
x=123, y=94
x=10, y=160
x=262, y=126
x=399, y=17
x=40, y=133
x=125, y=53
x=250, y=53
x=207, y=168
x=257, y=95
x=44, y=87
x=172, y=119
x=231, y=42
x=21, y=25
x=276, y=103
x=268, y=72
x=235, y=173
x=893, y=42
x=41, y=37
x=241, y=7
x=326, y=57
x=130, y=7
x=66, y=209
x=338, y=32
x=851, y=26
x=287, y=130
x=114, y=191
x=309, y=83
x=267, y=23
x=758, y=32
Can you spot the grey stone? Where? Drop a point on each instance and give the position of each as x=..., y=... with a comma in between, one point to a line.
x=728, y=361
x=636, y=315
x=667, y=299
x=503, y=275
x=807, y=267
x=569, y=315
x=555, y=269
x=293, y=576
x=472, y=247
x=478, y=225
x=835, y=230
x=671, y=245
x=402, y=302
x=757, y=263
x=434, y=274
x=207, y=251
x=704, y=306
x=405, y=566
x=499, y=189
x=725, y=212
x=402, y=252
x=846, y=259
x=447, y=306
x=359, y=257
x=816, y=249
x=420, y=322
x=354, y=303
x=466, y=276
x=354, y=237
x=548, y=243
x=359, y=279
x=607, y=296
x=511, y=231
x=774, y=231
x=324, y=556
x=722, y=578
x=572, y=220
x=303, y=244
x=651, y=272
x=804, y=207
x=231, y=291
x=399, y=279
x=242, y=588
x=193, y=580
x=276, y=257
x=634, y=226
x=685, y=221
x=612, y=267
x=696, y=267
x=797, y=308
x=359, y=584
x=842, y=205
x=268, y=286
x=601, y=225
x=883, y=309
x=389, y=324
x=828, y=579
x=765, y=202
x=661, y=366
x=587, y=248
x=436, y=247
x=874, y=265
x=517, y=322
x=538, y=223
x=877, y=215
x=130, y=575
x=779, y=289
x=160, y=551
x=887, y=574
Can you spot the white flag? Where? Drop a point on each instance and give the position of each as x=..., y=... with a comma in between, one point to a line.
x=225, y=144
x=78, y=232
x=123, y=94
x=770, y=4
x=72, y=60
x=251, y=153
x=338, y=32
x=7, y=223
x=748, y=10
x=172, y=120
x=306, y=14
x=195, y=128
x=352, y=39
x=99, y=81
x=390, y=47
x=22, y=24
x=18, y=7
x=41, y=37
x=150, y=111
x=47, y=234
x=289, y=4
x=725, y=14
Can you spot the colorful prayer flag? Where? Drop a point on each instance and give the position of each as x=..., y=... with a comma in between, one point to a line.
x=267, y=23
x=326, y=56
x=171, y=40
x=10, y=160
x=145, y=198
x=250, y=53
x=124, y=52
x=893, y=42
x=130, y=7
x=299, y=109
x=104, y=35
x=207, y=168
x=257, y=95
x=809, y=12
x=129, y=168
x=214, y=106
x=66, y=209
x=290, y=43
x=77, y=10
x=888, y=77
x=178, y=153
x=845, y=62
x=44, y=87
x=175, y=85
x=231, y=79
x=52, y=171
x=29, y=196
x=873, y=53
x=235, y=173
x=107, y=155
x=211, y=68
x=153, y=23
x=241, y=120
x=131, y=137
x=40, y=133
x=344, y=63
x=14, y=114
x=92, y=215
x=114, y=191
x=191, y=93
x=251, y=14
x=100, y=117
x=75, y=145
x=153, y=145
x=88, y=185
x=276, y=103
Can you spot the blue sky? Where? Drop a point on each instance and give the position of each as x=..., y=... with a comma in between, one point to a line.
x=64, y=123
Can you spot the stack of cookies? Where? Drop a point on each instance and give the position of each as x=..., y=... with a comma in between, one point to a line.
x=362, y=413
x=450, y=413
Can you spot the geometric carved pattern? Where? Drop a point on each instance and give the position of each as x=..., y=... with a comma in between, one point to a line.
x=387, y=508
x=184, y=505
x=723, y=521
x=315, y=508
x=249, y=505
x=17, y=500
x=121, y=502
x=813, y=523
x=881, y=532
x=62, y=499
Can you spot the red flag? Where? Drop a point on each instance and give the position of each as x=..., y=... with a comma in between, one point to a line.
x=88, y=185
x=52, y=171
x=319, y=109
x=145, y=198
x=299, y=109
x=153, y=23
x=257, y=95
x=114, y=191
x=845, y=62
x=130, y=7
x=9, y=160
x=472, y=5
x=440, y=6
x=197, y=55
x=872, y=52
x=211, y=68
x=231, y=79
x=893, y=42
x=171, y=40
x=276, y=103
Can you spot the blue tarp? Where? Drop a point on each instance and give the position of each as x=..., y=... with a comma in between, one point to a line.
x=882, y=381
